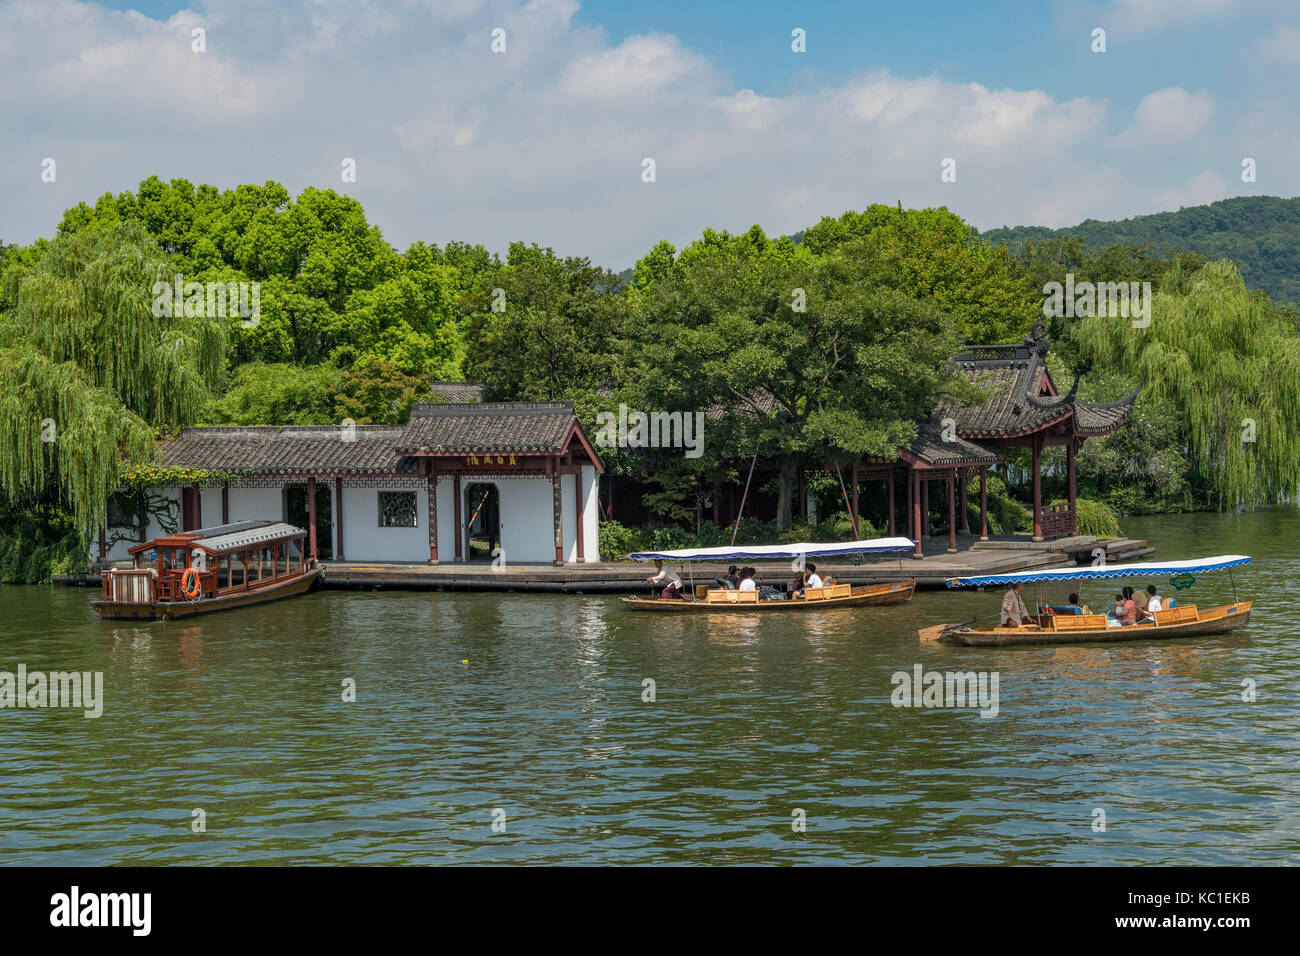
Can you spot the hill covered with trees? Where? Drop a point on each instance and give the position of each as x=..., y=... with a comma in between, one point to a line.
x=1259, y=233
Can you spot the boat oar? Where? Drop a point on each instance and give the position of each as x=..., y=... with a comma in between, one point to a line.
x=936, y=632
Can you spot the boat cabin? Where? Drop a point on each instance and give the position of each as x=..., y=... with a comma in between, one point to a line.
x=227, y=559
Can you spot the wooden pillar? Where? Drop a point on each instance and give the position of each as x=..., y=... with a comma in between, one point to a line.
x=961, y=502
x=577, y=501
x=854, y=500
x=925, y=506
x=311, y=515
x=914, y=480
x=984, y=506
x=952, y=511
x=338, y=517
x=1069, y=471
x=431, y=473
x=460, y=532
x=889, y=480
x=103, y=542
x=556, y=511
x=225, y=502
x=1038, y=488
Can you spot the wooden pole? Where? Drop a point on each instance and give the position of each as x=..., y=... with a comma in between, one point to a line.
x=984, y=506
x=338, y=517
x=225, y=502
x=556, y=511
x=889, y=480
x=961, y=502
x=311, y=514
x=952, y=511
x=1069, y=470
x=1038, y=488
x=460, y=531
x=925, y=505
x=431, y=473
x=915, y=483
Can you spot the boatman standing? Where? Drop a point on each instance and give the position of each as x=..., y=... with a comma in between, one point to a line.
x=1013, y=607
x=671, y=580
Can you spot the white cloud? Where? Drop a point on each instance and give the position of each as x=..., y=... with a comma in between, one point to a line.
x=545, y=142
x=1171, y=114
x=1281, y=45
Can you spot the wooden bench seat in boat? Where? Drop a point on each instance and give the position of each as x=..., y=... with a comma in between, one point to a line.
x=1072, y=622
x=726, y=596
x=1182, y=612
x=833, y=591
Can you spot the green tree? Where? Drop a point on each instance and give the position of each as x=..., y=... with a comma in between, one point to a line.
x=90, y=372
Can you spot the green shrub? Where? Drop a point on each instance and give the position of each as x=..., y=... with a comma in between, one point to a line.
x=1094, y=518
x=618, y=540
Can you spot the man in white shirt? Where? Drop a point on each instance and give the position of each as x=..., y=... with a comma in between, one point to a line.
x=747, y=580
x=1154, y=601
x=671, y=580
x=813, y=580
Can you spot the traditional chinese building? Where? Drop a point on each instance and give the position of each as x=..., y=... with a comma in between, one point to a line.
x=510, y=481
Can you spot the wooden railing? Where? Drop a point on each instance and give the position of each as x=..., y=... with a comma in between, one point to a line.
x=1057, y=521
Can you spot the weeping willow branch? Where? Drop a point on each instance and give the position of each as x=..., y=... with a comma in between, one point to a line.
x=1230, y=362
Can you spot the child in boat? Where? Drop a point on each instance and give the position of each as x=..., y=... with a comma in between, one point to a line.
x=1076, y=607
x=1119, y=607
x=747, y=579
x=670, y=579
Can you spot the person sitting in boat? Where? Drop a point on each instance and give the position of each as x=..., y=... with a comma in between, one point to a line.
x=1014, y=613
x=1076, y=607
x=747, y=579
x=1128, y=612
x=1154, y=602
x=670, y=579
x=812, y=579
x=796, y=585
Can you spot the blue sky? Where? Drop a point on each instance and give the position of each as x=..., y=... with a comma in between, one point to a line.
x=546, y=142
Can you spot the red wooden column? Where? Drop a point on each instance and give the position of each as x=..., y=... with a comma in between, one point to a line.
x=1038, y=488
x=225, y=502
x=925, y=506
x=984, y=506
x=311, y=515
x=1069, y=470
x=556, y=510
x=889, y=480
x=460, y=532
x=914, y=481
x=952, y=512
x=961, y=502
x=577, y=500
x=338, y=517
x=431, y=472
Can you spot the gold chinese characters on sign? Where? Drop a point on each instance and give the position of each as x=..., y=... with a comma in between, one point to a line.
x=508, y=461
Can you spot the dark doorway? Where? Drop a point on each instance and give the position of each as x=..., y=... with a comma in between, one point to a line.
x=483, y=503
x=295, y=510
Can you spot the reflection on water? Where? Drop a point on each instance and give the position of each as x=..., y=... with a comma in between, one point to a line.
x=533, y=703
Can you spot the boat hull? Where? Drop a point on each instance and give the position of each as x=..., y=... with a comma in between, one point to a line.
x=178, y=610
x=1216, y=620
x=871, y=595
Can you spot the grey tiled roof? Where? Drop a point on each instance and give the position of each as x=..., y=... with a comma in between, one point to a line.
x=488, y=426
x=459, y=393
x=288, y=450
x=1015, y=376
x=929, y=445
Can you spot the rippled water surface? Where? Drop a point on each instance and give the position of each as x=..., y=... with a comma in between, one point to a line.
x=240, y=714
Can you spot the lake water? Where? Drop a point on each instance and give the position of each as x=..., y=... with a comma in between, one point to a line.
x=530, y=706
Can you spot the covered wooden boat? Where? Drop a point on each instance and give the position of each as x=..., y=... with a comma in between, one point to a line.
x=210, y=569
x=706, y=599
x=1047, y=627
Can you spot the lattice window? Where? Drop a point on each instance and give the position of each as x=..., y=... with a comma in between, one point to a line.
x=397, y=509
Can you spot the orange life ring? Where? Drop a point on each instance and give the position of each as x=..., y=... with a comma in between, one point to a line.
x=190, y=583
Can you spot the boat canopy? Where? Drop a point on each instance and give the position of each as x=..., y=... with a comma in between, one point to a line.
x=778, y=551
x=248, y=537
x=1153, y=569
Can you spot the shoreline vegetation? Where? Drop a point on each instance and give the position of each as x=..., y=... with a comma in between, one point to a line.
x=846, y=326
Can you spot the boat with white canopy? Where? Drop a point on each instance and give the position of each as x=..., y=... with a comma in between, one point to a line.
x=1057, y=624
x=706, y=599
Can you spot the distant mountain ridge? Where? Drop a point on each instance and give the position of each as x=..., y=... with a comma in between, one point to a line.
x=1260, y=233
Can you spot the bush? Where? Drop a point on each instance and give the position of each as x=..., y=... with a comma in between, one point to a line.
x=1094, y=518
x=32, y=549
x=618, y=540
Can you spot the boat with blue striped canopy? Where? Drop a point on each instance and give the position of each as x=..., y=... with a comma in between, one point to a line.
x=1049, y=626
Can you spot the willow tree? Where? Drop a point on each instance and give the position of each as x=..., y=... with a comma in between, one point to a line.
x=1229, y=361
x=90, y=375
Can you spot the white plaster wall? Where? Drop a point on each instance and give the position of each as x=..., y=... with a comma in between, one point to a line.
x=527, y=534
x=590, y=513
x=364, y=540
x=446, y=520
x=118, y=551
x=251, y=504
x=209, y=507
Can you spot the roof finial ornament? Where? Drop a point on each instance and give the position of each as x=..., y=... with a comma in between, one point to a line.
x=1037, y=338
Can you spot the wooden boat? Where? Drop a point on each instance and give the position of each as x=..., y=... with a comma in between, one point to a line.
x=747, y=602
x=1180, y=620
x=726, y=601
x=211, y=569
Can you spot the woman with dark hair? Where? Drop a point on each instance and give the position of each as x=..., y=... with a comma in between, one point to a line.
x=1130, y=615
